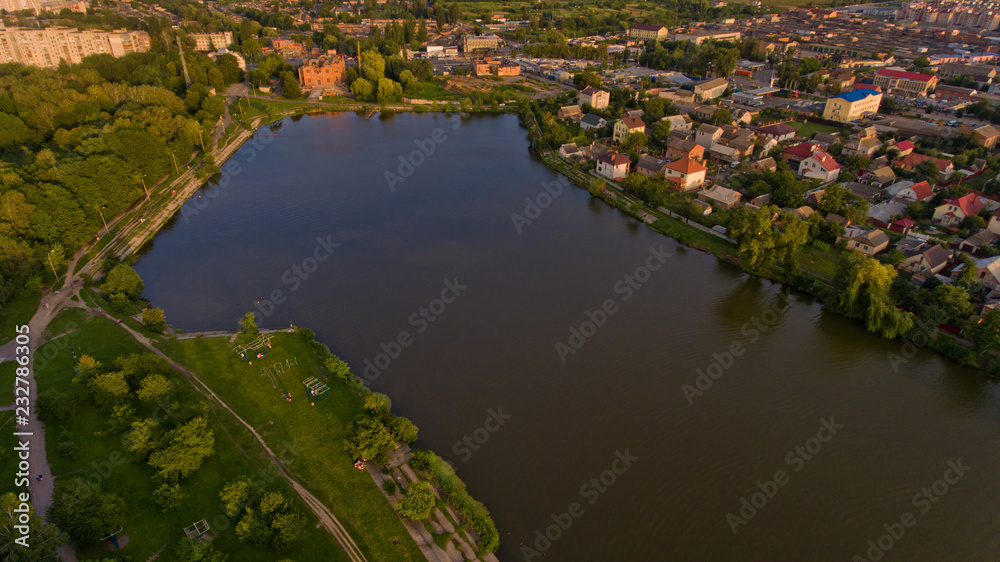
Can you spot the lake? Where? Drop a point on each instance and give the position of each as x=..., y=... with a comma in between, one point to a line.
x=589, y=378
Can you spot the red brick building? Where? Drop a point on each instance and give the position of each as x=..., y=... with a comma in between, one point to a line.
x=324, y=71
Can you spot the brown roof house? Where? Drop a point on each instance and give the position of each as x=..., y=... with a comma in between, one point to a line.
x=613, y=165
x=925, y=258
x=867, y=242
x=721, y=197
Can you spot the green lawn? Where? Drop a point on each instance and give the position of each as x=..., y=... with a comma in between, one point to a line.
x=807, y=129
x=432, y=90
x=315, y=432
x=100, y=458
x=16, y=312
x=822, y=263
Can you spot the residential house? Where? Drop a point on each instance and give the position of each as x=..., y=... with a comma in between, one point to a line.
x=851, y=106
x=613, y=165
x=953, y=211
x=681, y=149
x=685, y=175
x=906, y=83
x=994, y=224
x=945, y=168
x=867, y=192
x=796, y=154
x=650, y=166
x=648, y=31
x=710, y=89
x=723, y=154
x=779, y=132
x=570, y=150
x=903, y=148
x=843, y=78
x=764, y=165
x=721, y=197
x=980, y=242
x=862, y=146
x=743, y=144
x=569, y=112
x=626, y=126
x=708, y=135
x=988, y=271
x=881, y=177
x=826, y=140
x=867, y=242
x=921, y=191
x=591, y=121
x=679, y=122
x=902, y=226
x=980, y=73
x=595, y=150
x=883, y=214
x=986, y=136
x=834, y=218
x=924, y=257
x=820, y=165
x=596, y=98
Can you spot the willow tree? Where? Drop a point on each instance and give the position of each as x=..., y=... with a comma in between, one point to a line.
x=866, y=296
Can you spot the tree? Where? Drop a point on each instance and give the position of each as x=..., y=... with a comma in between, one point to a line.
x=418, y=501
x=363, y=90
x=927, y=171
x=87, y=515
x=188, y=446
x=952, y=301
x=793, y=235
x=722, y=117
x=752, y=230
x=985, y=334
x=239, y=494
x=865, y=295
x=634, y=140
x=109, y=389
x=248, y=325
x=377, y=403
x=372, y=67
x=154, y=319
x=290, y=86
x=274, y=522
x=188, y=550
x=42, y=539
x=388, y=91
x=123, y=279
x=168, y=497
x=142, y=438
x=922, y=61
x=154, y=387
x=367, y=439
x=251, y=47
x=403, y=430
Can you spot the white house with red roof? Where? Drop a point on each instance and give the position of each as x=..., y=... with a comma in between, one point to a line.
x=921, y=191
x=910, y=163
x=954, y=210
x=820, y=166
x=903, y=147
x=685, y=174
x=796, y=154
x=613, y=165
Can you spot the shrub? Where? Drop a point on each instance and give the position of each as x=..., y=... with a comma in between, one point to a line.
x=67, y=450
x=418, y=501
x=389, y=486
x=403, y=430
x=54, y=405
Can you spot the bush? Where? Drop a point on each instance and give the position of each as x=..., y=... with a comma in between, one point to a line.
x=378, y=403
x=418, y=501
x=402, y=430
x=421, y=460
x=54, y=405
x=170, y=498
x=389, y=486
x=67, y=450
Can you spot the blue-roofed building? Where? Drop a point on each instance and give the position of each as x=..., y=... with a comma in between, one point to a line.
x=851, y=106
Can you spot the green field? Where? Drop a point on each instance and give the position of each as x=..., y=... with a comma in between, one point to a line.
x=314, y=432
x=16, y=312
x=808, y=129
x=100, y=457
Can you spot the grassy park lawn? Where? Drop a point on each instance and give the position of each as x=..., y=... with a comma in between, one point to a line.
x=432, y=90
x=101, y=458
x=16, y=312
x=821, y=262
x=807, y=129
x=314, y=433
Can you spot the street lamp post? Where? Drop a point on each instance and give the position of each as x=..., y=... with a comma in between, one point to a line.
x=143, y=180
x=102, y=219
x=174, y=158
x=53, y=266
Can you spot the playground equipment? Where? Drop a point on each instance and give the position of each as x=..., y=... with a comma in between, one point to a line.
x=316, y=388
x=267, y=373
x=262, y=341
x=113, y=538
x=197, y=530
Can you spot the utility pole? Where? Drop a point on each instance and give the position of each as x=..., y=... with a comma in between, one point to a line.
x=184, y=64
x=53, y=266
x=143, y=180
x=174, y=158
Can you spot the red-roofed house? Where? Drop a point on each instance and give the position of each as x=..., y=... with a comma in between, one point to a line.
x=909, y=83
x=685, y=174
x=820, y=166
x=917, y=192
x=796, y=154
x=613, y=165
x=902, y=226
x=954, y=210
x=904, y=148
x=912, y=160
